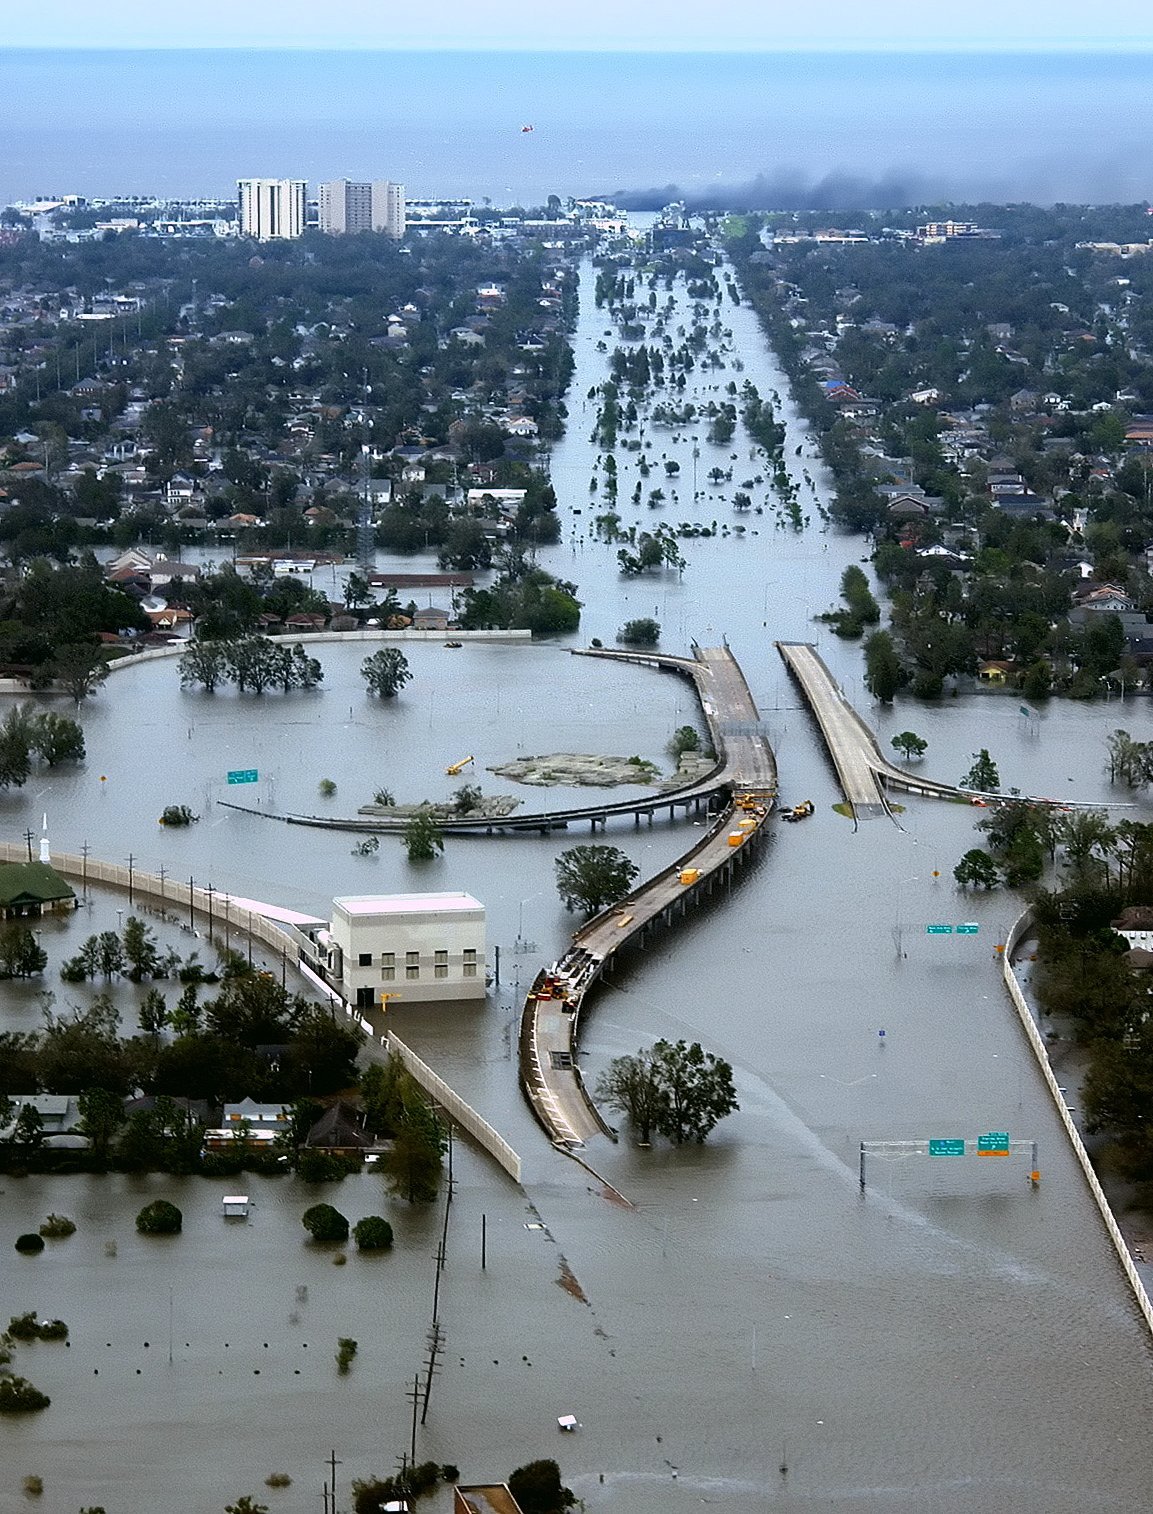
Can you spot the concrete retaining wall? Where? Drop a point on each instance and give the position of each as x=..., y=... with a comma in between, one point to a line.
x=200, y=906
x=1018, y=933
x=153, y=654
x=228, y=919
x=454, y=1106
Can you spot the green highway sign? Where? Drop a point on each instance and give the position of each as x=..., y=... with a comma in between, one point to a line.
x=968, y=929
x=947, y=1148
x=995, y=1144
x=243, y=775
x=938, y=930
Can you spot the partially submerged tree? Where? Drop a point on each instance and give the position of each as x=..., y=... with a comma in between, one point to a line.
x=538, y=1489
x=910, y=745
x=422, y=838
x=676, y=1089
x=977, y=869
x=590, y=878
x=983, y=775
x=325, y=1224
x=386, y=672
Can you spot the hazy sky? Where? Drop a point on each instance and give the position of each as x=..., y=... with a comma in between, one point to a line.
x=598, y=24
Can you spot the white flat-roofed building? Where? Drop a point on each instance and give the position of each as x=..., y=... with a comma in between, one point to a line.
x=271, y=209
x=415, y=948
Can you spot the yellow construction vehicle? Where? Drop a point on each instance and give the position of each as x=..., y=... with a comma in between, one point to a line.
x=458, y=767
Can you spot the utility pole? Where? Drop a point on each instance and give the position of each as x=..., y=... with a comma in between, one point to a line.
x=28, y=843
x=333, y=1464
x=84, y=850
x=131, y=864
x=415, y=1396
x=435, y=1347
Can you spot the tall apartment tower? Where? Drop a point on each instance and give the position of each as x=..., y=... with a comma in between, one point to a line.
x=346, y=207
x=388, y=213
x=271, y=209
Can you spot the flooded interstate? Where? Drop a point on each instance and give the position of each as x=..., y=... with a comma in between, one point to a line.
x=951, y=1342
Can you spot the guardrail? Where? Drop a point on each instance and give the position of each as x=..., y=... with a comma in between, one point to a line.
x=454, y=1106
x=1029, y=1025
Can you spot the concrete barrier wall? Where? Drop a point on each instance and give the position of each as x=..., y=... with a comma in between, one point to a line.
x=200, y=906
x=1018, y=933
x=454, y=1106
x=228, y=919
x=330, y=638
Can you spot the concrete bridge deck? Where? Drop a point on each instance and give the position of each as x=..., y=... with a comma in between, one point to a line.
x=549, y=1058
x=863, y=770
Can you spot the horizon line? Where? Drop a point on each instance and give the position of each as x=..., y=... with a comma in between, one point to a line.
x=1132, y=46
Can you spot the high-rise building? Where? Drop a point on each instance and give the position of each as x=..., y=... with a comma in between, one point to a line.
x=347, y=206
x=271, y=209
x=344, y=208
x=388, y=208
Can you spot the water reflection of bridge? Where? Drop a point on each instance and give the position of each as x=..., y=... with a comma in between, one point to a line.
x=746, y=773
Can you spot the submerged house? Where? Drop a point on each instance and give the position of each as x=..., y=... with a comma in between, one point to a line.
x=28, y=889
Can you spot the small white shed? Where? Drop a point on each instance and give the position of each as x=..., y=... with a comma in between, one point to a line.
x=235, y=1206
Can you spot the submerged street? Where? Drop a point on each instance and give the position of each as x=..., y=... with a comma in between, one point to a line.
x=952, y=1342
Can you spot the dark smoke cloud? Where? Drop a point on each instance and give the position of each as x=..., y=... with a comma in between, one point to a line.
x=790, y=191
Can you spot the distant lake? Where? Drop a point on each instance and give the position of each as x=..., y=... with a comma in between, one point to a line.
x=901, y=127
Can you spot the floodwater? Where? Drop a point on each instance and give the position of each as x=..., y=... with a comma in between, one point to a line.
x=951, y=1342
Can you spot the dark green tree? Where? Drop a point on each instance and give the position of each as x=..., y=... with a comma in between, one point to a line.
x=386, y=672
x=101, y=1116
x=325, y=1224
x=631, y=1085
x=203, y=664
x=413, y=1163
x=644, y=632
x=977, y=869
x=538, y=1489
x=372, y=1233
x=910, y=745
x=159, y=1218
x=422, y=838
x=884, y=674
x=140, y=950
x=983, y=775
x=21, y=955
x=590, y=878
x=57, y=739
x=697, y=1087
x=79, y=668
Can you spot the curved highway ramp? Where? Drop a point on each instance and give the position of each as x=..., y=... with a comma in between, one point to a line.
x=862, y=768
x=549, y=1060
